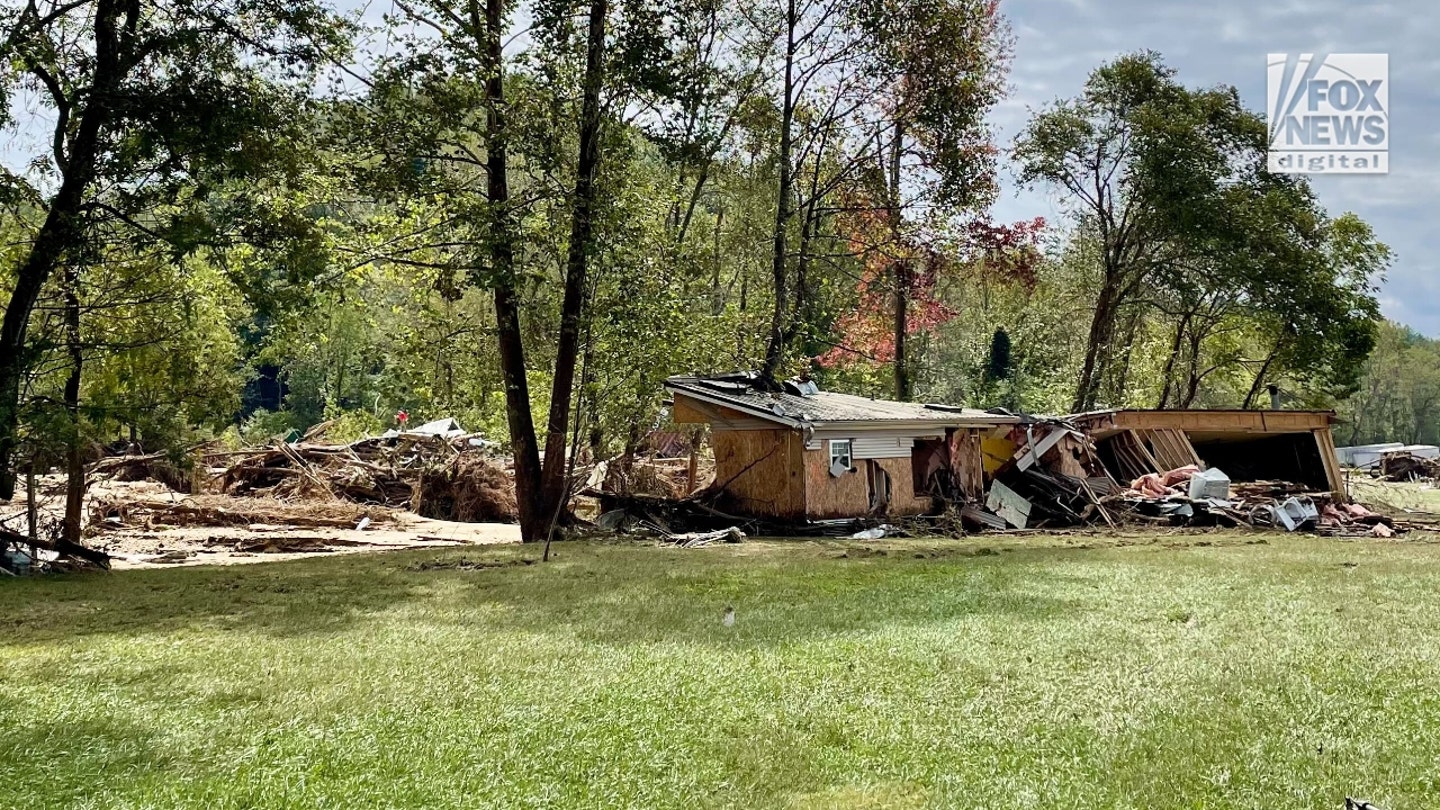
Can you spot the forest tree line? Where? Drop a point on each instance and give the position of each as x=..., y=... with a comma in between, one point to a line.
x=241, y=217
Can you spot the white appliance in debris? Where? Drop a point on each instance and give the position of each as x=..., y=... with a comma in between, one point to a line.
x=1209, y=483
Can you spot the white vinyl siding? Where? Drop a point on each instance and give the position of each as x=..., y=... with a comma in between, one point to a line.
x=878, y=443
x=883, y=446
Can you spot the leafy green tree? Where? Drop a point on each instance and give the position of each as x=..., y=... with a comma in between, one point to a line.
x=1171, y=183
x=152, y=105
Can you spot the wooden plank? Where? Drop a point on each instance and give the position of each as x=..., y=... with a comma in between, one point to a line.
x=1325, y=443
x=1173, y=449
x=1220, y=421
x=1142, y=452
x=1030, y=454
x=1131, y=465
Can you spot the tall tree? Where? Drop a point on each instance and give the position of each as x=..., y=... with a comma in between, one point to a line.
x=1109, y=151
x=150, y=104
x=553, y=492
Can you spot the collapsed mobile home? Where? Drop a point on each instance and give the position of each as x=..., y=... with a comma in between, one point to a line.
x=789, y=451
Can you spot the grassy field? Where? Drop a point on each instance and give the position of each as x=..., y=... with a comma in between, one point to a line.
x=1199, y=672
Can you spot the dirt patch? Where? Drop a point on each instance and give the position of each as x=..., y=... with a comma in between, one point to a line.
x=142, y=524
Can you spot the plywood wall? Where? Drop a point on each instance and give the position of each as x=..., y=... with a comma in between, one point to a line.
x=967, y=463
x=761, y=471
x=903, y=500
x=827, y=496
x=846, y=496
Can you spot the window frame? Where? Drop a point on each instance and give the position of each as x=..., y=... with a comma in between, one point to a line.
x=849, y=454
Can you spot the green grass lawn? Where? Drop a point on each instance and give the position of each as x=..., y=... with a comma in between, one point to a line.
x=1005, y=674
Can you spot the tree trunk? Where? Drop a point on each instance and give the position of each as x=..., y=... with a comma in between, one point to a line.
x=75, y=459
x=1102, y=328
x=61, y=231
x=1117, y=373
x=553, y=483
x=775, y=347
x=904, y=385
x=1167, y=374
x=502, y=260
x=717, y=296
x=1260, y=376
x=1192, y=387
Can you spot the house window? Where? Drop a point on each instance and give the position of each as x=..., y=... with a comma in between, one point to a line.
x=840, y=461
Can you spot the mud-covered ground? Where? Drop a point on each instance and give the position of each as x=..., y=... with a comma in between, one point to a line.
x=151, y=540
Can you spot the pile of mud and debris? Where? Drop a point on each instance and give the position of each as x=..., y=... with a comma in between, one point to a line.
x=437, y=470
x=430, y=486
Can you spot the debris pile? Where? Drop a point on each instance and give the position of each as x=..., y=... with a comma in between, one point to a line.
x=1404, y=465
x=468, y=488
x=702, y=539
x=448, y=477
x=157, y=467
x=658, y=477
x=218, y=510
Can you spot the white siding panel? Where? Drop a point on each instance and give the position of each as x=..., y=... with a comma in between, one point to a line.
x=883, y=446
x=881, y=443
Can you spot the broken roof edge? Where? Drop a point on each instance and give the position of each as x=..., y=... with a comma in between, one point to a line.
x=934, y=415
x=1108, y=411
x=1329, y=415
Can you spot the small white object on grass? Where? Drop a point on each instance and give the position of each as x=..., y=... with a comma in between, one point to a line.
x=729, y=620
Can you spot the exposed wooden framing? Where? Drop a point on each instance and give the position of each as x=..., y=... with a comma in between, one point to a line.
x=967, y=464
x=1325, y=442
x=1156, y=441
x=1134, y=457
x=1170, y=448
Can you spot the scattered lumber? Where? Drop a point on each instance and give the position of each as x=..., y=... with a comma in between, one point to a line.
x=702, y=539
x=59, y=545
x=150, y=466
x=215, y=510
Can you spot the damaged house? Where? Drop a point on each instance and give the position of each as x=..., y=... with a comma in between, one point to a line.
x=799, y=453
x=1294, y=446
x=791, y=452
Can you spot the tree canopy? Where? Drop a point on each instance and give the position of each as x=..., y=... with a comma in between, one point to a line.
x=249, y=216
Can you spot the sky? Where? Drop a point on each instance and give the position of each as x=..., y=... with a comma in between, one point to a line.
x=1215, y=42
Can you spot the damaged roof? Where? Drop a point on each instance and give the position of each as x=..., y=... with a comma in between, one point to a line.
x=746, y=393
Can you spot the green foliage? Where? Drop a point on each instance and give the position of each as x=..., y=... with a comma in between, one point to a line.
x=262, y=426
x=1235, y=277
x=1398, y=396
x=349, y=426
